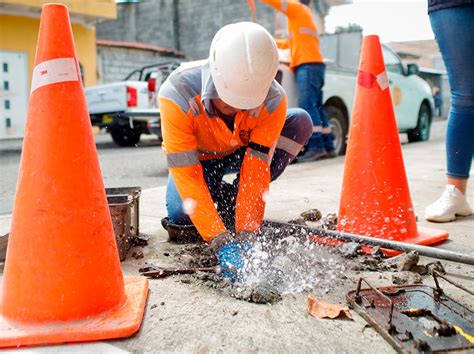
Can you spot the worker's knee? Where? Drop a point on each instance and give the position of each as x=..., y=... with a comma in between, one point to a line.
x=298, y=125
x=174, y=205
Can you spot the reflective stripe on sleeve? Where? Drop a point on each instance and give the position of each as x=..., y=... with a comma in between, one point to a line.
x=259, y=155
x=311, y=32
x=54, y=71
x=284, y=5
x=182, y=159
x=288, y=145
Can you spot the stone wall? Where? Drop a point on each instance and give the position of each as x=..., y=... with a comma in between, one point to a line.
x=197, y=25
x=186, y=25
x=115, y=63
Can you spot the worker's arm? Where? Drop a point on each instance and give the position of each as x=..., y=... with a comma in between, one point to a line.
x=255, y=171
x=289, y=7
x=186, y=170
x=282, y=43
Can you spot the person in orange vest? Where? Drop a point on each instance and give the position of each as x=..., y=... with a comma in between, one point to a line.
x=227, y=115
x=307, y=63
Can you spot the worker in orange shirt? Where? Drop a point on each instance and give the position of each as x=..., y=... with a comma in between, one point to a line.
x=307, y=63
x=227, y=115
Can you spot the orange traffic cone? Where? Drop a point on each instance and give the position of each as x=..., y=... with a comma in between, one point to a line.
x=375, y=199
x=63, y=281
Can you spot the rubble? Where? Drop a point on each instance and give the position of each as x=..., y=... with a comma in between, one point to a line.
x=298, y=221
x=350, y=249
x=406, y=278
x=262, y=293
x=140, y=240
x=329, y=222
x=311, y=215
x=137, y=254
x=402, y=262
x=376, y=252
x=284, y=261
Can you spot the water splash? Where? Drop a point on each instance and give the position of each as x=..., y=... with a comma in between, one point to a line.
x=291, y=264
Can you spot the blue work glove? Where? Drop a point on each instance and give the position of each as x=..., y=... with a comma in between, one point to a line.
x=230, y=257
x=229, y=253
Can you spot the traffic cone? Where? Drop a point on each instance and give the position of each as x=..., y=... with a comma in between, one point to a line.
x=63, y=280
x=375, y=199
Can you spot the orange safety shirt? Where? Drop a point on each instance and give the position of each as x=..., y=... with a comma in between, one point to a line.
x=303, y=36
x=193, y=132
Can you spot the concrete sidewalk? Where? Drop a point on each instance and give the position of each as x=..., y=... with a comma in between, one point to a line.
x=182, y=317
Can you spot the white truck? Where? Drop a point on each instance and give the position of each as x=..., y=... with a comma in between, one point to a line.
x=128, y=109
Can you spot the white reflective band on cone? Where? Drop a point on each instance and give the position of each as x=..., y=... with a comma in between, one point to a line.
x=382, y=80
x=53, y=71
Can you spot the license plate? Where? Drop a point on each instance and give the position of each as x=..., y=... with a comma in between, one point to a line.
x=107, y=119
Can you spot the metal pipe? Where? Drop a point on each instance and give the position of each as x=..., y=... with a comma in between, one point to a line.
x=374, y=241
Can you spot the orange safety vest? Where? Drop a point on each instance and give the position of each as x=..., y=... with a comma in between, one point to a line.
x=193, y=132
x=303, y=36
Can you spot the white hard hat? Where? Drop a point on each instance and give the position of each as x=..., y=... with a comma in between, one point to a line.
x=244, y=60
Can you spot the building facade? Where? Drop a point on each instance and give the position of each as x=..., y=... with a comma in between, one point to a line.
x=181, y=26
x=19, y=24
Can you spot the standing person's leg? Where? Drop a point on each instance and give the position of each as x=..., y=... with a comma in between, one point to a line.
x=450, y=27
x=295, y=134
x=308, y=85
x=326, y=132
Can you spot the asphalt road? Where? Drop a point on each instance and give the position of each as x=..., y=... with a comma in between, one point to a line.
x=143, y=166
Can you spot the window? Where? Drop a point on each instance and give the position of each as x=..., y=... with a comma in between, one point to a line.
x=8, y=123
x=5, y=67
x=6, y=85
x=392, y=62
x=7, y=104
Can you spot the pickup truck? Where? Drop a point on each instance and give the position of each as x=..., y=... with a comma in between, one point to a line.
x=127, y=109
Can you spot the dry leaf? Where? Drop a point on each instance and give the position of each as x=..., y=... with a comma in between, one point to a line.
x=322, y=309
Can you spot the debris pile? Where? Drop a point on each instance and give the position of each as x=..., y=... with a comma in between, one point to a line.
x=329, y=222
x=284, y=260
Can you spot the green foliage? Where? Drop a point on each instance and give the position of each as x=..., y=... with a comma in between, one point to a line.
x=350, y=27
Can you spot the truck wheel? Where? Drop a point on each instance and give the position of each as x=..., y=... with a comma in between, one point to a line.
x=125, y=136
x=339, y=128
x=423, y=127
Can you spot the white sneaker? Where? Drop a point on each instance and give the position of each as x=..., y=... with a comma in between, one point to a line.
x=451, y=203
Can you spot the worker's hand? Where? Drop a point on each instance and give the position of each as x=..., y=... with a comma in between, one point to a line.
x=230, y=260
x=229, y=250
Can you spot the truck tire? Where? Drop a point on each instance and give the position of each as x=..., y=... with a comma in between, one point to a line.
x=423, y=126
x=339, y=128
x=125, y=136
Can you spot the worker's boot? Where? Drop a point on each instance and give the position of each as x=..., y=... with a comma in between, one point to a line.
x=181, y=233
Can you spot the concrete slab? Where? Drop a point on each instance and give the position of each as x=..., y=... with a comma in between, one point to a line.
x=183, y=317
